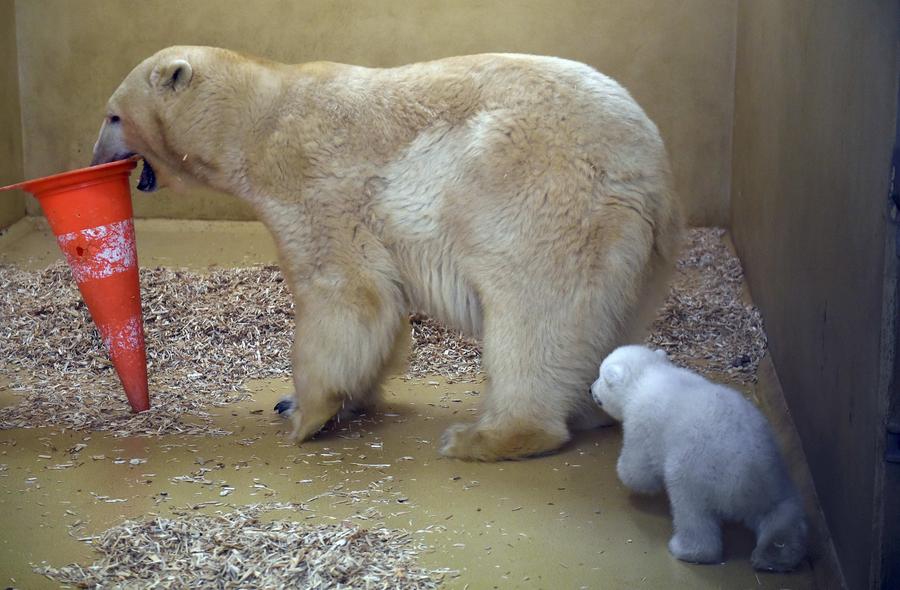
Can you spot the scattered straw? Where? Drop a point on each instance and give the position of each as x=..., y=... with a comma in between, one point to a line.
x=238, y=550
x=207, y=334
x=705, y=323
x=440, y=350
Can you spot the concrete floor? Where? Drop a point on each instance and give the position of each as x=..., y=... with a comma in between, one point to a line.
x=563, y=521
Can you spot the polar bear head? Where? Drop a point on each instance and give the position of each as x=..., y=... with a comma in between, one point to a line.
x=618, y=372
x=169, y=110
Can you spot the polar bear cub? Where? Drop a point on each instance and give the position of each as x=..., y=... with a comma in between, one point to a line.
x=710, y=448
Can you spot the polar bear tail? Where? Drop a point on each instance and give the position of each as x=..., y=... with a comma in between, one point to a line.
x=781, y=538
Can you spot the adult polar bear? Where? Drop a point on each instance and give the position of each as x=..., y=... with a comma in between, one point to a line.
x=525, y=199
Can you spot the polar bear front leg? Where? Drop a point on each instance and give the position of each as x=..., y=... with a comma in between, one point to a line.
x=314, y=405
x=345, y=335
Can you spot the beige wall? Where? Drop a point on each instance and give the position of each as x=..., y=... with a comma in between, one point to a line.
x=816, y=99
x=675, y=57
x=12, y=205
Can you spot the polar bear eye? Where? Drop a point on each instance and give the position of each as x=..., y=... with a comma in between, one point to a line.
x=114, y=118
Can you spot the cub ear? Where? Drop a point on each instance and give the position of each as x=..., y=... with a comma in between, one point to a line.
x=174, y=75
x=614, y=374
x=661, y=354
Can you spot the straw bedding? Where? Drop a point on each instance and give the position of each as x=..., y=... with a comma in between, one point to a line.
x=209, y=333
x=206, y=334
x=239, y=549
x=705, y=323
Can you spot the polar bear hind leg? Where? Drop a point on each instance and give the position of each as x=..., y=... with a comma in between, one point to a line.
x=539, y=369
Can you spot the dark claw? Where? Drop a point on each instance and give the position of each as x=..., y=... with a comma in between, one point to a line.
x=285, y=407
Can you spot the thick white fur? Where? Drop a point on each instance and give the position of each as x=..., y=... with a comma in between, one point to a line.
x=710, y=448
x=526, y=199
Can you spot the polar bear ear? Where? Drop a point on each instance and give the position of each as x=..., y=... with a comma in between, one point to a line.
x=661, y=354
x=173, y=75
x=614, y=374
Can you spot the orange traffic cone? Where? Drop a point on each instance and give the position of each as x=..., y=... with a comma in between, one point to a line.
x=89, y=210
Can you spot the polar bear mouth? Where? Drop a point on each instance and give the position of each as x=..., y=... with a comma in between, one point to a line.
x=147, y=182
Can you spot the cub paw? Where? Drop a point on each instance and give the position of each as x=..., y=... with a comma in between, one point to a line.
x=695, y=550
x=638, y=478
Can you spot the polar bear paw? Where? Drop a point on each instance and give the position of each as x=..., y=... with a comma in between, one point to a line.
x=472, y=442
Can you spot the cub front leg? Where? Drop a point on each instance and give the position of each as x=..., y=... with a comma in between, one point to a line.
x=636, y=468
x=698, y=532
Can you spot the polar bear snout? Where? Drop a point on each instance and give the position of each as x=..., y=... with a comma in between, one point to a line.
x=110, y=145
x=103, y=158
x=607, y=397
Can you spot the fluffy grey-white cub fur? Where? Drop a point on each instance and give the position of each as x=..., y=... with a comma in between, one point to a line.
x=711, y=450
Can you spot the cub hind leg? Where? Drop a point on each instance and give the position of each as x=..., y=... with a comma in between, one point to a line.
x=698, y=531
x=781, y=537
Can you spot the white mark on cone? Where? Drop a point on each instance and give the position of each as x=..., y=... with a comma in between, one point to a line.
x=127, y=336
x=99, y=252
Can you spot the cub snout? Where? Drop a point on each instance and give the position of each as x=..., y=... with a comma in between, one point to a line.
x=595, y=392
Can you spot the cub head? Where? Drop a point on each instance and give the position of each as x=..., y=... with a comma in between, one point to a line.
x=162, y=112
x=617, y=374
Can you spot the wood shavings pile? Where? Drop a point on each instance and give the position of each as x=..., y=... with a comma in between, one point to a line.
x=208, y=333
x=238, y=550
x=705, y=323
x=439, y=350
